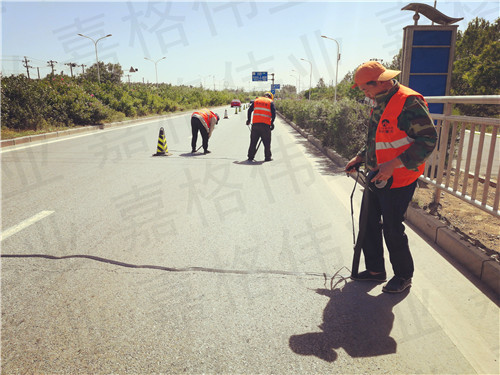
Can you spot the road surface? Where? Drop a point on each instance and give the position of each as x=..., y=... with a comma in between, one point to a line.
x=114, y=261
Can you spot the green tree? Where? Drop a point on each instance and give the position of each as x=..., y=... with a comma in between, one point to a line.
x=321, y=83
x=287, y=92
x=344, y=89
x=476, y=69
x=396, y=61
x=109, y=72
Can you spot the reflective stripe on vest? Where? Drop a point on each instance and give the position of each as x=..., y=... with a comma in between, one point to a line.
x=262, y=111
x=390, y=141
x=394, y=144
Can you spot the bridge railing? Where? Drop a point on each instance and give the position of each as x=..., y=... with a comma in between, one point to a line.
x=466, y=162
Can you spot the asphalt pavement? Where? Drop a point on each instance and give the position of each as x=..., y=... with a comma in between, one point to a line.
x=115, y=261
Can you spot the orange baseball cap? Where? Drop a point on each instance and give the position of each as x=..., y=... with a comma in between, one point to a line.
x=373, y=71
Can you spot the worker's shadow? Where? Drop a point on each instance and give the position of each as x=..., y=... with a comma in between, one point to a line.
x=191, y=154
x=353, y=320
x=246, y=162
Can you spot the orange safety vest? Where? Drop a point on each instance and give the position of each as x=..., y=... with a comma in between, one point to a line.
x=391, y=142
x=262, y=111
x=206, y=115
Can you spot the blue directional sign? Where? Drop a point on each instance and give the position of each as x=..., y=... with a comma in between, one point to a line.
x=428, y=53
x=276, y=86
x=259, y=76
x=273, y=92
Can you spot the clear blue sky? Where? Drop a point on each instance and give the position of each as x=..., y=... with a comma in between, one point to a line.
x=214, y=43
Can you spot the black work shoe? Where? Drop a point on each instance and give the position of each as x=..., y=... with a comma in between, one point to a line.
x=397, y=285
x=206, y=152
x=268, y=159
x=193, y=151
x=249, y=160
x=367, y=276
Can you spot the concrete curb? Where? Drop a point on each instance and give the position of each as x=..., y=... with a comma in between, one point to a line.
x=485, y=268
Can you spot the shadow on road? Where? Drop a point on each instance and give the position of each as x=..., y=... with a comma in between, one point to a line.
x=191, y=154
x=353, y=320
x=246, y=162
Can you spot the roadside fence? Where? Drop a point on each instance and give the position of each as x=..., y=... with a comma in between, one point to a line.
x=466, y=162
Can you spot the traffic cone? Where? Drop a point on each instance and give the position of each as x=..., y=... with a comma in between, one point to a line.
x=225, y=114
x=162, y=149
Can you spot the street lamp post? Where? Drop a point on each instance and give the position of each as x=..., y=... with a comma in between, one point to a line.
x=156, y=67
x=298, y=74
x=310, y=77
x=337, y=65
x=291, y=75
x=96, y=58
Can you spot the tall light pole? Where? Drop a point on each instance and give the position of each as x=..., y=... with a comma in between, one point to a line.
x=291, y=75
x=310, y=76
x=298, y=74
x=337, y=65
x=156, y=67
x=96, y=58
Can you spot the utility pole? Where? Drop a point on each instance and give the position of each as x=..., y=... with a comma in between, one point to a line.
x=27, y=66
x=83, y=68
x=51, y=63
x=71, y=66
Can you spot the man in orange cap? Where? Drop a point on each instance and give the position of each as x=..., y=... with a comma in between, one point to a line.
x=401, y=136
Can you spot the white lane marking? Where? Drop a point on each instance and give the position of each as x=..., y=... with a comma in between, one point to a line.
x=23, y=146
x=24, y=224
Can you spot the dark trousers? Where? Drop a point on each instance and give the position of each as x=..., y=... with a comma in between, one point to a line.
x=196, y=125
x=260, y=131
x=389, y=205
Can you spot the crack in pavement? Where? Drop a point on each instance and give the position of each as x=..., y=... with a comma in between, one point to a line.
x=170, y=269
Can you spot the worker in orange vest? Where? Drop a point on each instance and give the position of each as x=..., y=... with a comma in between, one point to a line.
x=264, y=113
x=203, y=121
x=401, y=136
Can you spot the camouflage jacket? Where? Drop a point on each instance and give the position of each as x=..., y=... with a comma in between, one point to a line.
x=414, y=119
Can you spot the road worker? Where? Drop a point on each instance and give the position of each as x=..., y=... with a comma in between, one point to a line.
x=264, y=113
x=203, y=121
x=401, y=136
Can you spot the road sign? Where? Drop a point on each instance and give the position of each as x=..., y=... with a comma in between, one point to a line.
x=273, y=92
x=428, y=51
x=276, y=86
x=259, y=76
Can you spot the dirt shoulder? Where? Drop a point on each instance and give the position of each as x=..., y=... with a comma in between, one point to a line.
x=474, y=225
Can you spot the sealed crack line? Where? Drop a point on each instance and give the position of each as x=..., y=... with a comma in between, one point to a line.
x=171, y=269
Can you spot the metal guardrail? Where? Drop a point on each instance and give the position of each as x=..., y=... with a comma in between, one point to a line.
x=466, y=162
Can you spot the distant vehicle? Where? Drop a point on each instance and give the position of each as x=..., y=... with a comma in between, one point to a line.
x=235, y=103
